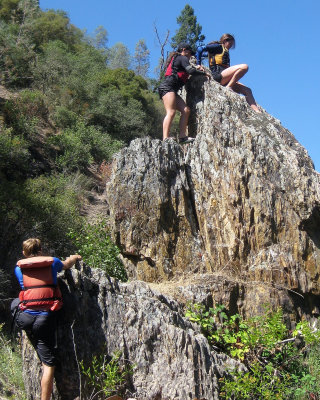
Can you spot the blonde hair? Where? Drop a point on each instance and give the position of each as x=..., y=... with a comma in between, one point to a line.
x=31, y=247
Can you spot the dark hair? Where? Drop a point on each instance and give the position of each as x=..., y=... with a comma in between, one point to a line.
x=224, y=37
x=169, y=58
x=184, y=45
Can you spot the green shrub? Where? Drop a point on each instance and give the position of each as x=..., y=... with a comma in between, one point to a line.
x=97, y=250
x=52, y=206
x=278, y=367
x=24, y=112
x=14, y=154
x=64, y=118
x=11, y=382
x=105, y=377
x=259, y=383
x=81, y=145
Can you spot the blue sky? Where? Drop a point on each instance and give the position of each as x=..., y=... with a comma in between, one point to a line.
x=278, y=39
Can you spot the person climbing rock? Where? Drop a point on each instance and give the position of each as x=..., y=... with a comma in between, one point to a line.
x=40, y=299
x=222, y=72
x=178, y=70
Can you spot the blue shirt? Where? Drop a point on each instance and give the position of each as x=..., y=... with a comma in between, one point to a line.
x=56, y=267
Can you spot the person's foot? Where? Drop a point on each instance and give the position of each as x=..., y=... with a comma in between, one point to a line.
x=186, y=139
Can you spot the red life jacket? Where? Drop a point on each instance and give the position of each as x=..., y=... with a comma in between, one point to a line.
x=182, y=75
x=39, y=291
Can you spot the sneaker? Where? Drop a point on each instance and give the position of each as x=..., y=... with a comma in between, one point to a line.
x=186, y=139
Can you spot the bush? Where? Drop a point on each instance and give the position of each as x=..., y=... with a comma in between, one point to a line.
x=64, y=118
x=25, y=112
x=14, y=154
x=97, y=249
x=105, y=375
x=11, y=383
x=51, y=207
x=276, y=363
x=82, y=145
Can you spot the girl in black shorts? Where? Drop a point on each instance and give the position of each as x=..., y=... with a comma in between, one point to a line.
x=177, y=73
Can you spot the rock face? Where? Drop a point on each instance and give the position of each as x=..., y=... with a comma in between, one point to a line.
x=232, y=218
x=171, y=358
x=242, y=202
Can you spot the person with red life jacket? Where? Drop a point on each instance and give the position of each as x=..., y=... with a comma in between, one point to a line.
x=222, y=72
x=40, y=298
x=177, y=73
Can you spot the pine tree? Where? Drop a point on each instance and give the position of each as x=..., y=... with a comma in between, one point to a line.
x=189, y=31
x=141, y=58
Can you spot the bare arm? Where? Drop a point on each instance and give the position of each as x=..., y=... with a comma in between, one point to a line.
x=70, y=261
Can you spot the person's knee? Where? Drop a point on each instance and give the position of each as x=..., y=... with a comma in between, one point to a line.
x=245, y=67
x=170, y=114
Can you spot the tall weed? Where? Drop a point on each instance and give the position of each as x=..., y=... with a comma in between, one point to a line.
x=11, y=382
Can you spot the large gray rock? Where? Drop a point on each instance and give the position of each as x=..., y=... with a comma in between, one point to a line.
x=242, y=202
x=171, y=358
x=232, y=218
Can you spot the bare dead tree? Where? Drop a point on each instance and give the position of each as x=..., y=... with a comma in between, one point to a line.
x=162, y=45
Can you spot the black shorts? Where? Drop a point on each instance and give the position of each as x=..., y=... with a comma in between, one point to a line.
x=41, y=331
x=216, y=72
x=169, y=84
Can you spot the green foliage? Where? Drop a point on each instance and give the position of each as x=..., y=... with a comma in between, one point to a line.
x=14, y=154
x=46, y=206
x=54, y=25
x=82, y=145
x=64, y=118
x=8, y=9
x=11, y=383
x=16, y=45
x=24, y=112
x=52, y=204
x=141, y=59
x=260, y=383
x=71, y=111
x=105, y=377
x=97, y=249
x=310, y=335
x=189, y=31
x=119, y=56
x=126, y=82
x=276, y=367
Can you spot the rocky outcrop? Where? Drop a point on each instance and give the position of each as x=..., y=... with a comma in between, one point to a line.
x=242, y=202
x=171, y=359
x=232, y=218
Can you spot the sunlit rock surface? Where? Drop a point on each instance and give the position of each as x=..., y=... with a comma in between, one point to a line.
x=171, y=359
x=232, y=218
x=242, y=201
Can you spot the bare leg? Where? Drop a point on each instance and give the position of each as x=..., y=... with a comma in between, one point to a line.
x=169, y=102
x=47, y=382
x=247, y=92
x=185, y=112
x=232, y=74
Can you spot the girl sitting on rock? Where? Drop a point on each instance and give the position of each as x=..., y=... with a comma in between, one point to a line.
x=222, y=72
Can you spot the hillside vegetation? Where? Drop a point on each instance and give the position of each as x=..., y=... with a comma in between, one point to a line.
x=68, y=108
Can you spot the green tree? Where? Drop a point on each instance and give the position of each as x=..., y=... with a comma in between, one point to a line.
x=100, y=38
x=141, y=59
x=189, y=31
x=8, y=9
x=119, y=56
x=55, y=25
